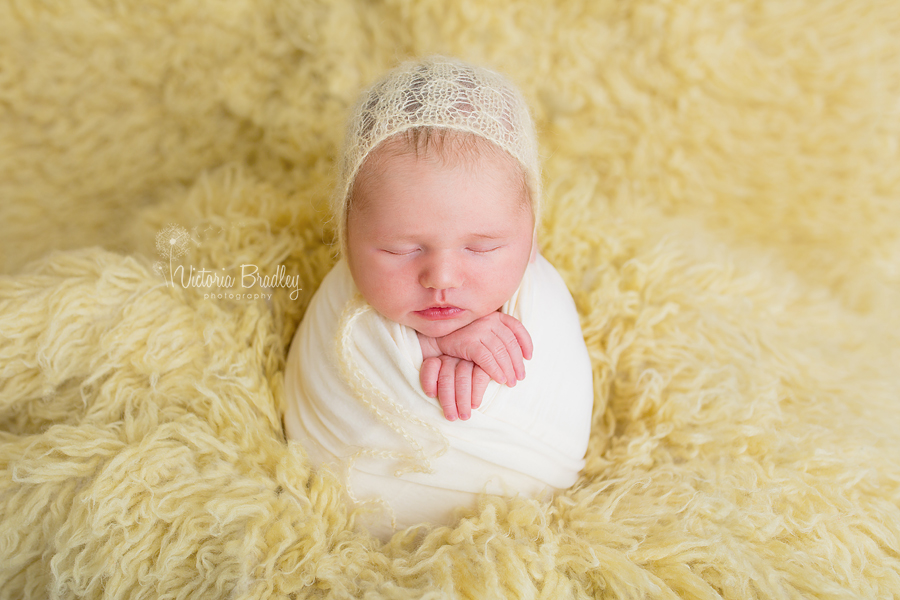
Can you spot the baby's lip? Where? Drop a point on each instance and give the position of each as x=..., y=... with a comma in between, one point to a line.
x=439, y=312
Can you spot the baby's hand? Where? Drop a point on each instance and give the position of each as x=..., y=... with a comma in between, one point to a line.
x=457, y=368
x=458, y=384
x=497, y=343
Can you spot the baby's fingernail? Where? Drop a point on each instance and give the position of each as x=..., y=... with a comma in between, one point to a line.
x=451, y=418
x=464, y=417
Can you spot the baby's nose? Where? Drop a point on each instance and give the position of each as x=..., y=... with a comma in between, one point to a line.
x=440, y=273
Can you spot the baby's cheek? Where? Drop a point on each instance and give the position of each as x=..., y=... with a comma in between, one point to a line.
x=375, y=292
x=510, y=279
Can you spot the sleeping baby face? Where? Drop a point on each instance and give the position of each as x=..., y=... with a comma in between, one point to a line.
x=440, y=235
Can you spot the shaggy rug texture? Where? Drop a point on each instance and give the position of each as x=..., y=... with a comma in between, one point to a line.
x=723, y=191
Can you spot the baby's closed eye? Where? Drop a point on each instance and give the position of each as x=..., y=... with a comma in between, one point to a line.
x=400, y=251
x=483, y=249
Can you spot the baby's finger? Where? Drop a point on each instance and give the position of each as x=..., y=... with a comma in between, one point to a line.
x=480, y=381
x=446, y=387
x=499, y=349
x=464, y=389
x=428, y=376
x=522, y=335
x=486, y=358
x=511, y=346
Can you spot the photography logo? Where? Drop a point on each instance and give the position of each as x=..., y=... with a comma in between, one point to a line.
x=236, y=283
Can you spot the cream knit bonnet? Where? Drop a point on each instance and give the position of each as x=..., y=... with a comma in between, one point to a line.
x=439, y=92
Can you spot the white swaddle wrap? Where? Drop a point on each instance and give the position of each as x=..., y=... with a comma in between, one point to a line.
x=522, y=440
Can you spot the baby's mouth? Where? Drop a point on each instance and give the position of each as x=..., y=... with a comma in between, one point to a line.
x=437, y=313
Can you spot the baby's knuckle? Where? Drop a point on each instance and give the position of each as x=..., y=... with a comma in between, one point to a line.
x=483, y=356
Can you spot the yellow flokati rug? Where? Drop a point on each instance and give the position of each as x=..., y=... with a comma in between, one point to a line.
x=723, y=190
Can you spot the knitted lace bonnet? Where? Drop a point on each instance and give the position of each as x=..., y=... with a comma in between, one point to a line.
x=439, y=92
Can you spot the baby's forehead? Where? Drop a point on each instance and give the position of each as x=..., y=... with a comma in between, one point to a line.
x=406, y=173
x=398, y=161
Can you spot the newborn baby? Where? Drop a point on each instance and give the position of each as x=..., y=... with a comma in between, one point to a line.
x=408, y=372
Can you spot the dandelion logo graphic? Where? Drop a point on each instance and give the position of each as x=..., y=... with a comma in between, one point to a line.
x=171, y=243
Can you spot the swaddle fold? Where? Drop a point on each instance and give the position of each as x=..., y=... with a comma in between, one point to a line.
x=392, y=444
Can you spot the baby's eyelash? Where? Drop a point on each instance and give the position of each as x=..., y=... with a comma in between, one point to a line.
x=476, y=251
x=400, y=252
